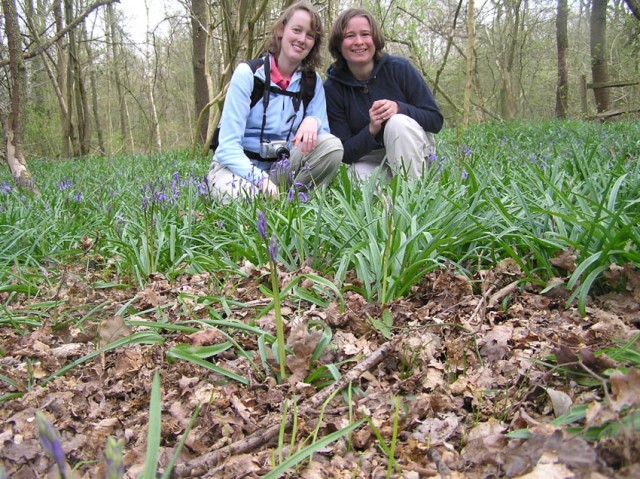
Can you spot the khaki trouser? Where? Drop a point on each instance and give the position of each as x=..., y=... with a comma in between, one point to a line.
x=304, y=172
x=407, y=149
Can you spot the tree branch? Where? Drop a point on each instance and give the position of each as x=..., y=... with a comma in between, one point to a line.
x=76, y=21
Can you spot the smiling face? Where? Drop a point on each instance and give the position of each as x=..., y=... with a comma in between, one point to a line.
x=298, y=38
x=358, y=46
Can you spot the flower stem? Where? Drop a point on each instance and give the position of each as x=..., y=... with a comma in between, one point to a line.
x=275, y=289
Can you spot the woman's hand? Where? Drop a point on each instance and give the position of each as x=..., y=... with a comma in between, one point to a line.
x=307, y=135
x=381, y=111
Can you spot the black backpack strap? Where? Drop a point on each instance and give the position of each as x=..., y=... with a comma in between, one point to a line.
x=258, y=85
x=308, y=88
x=266, y=88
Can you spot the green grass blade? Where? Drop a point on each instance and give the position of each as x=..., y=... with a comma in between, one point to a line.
x=154, y=433
x=303, y=454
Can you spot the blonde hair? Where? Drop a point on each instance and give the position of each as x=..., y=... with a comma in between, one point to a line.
x=313, y=60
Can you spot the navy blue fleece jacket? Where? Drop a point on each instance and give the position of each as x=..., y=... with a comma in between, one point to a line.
x=349, y=100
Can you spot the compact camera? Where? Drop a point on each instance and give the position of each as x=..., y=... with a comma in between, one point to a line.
x=270, y=150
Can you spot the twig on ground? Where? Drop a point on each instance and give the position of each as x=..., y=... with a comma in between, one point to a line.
x=508, y=289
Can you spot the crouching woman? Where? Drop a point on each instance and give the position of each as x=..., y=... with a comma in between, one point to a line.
x=279, y=142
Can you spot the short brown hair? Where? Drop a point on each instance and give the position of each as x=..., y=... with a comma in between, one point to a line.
x=337, y=35
x=313, y=60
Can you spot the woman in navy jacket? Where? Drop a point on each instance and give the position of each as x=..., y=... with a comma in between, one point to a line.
x=378, y=104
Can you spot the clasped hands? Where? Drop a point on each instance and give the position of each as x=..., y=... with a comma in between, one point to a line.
x=381, y=111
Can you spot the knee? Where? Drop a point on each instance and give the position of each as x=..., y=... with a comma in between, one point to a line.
x=400, y=125
x=332, y=148
x=330, y=142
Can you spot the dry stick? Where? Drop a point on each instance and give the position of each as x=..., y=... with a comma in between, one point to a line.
x=202, y=464
x=508, y=289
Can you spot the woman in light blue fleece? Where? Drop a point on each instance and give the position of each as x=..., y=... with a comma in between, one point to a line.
x=246, y=160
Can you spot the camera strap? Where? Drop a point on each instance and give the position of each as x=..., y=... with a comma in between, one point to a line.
x=296, y=97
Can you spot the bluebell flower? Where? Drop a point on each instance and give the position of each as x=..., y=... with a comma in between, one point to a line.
x=65, y=184
x=466, y=150
x=78, y=196
x=262, y=225
x=282, y=166
x=273, y=248
x=113, y=456
x=464, y=173
x=51, y=443
x=6, y=187
x=432, y=157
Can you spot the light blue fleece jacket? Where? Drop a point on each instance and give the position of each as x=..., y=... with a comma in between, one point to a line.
x=240, y=125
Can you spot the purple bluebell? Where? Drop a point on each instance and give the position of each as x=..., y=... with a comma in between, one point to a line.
x=273, y=248
x=464, y=173
x=6, y=187
x=51, y=443
x=262, y=225
x=282, y=166
x=65, y=184
x=113, y=456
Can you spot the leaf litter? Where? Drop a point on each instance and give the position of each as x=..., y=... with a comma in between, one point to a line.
x=469, y=360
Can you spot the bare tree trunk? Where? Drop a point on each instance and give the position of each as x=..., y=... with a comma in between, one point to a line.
x=150, y=75
x=562, y=39
x=199, y=34
x=72, y=85
x=94, y=96
x=68, y=135
x=13, y=123
x=471, y=35
x=509, y=108
x=598, y=42
x=115, y=64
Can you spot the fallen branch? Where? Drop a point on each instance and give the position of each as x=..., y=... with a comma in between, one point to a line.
x=497, y=297
x=199, y=466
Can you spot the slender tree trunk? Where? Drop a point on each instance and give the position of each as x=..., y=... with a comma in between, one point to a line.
x=471, y=34
x=13, y=122
x=62, y=81
x=509, y=107
x=77, y=90
x=562, y=40
x=94, y=96
x=151, y=82
x=199, y=34
x=598, y=42
x=115, y=63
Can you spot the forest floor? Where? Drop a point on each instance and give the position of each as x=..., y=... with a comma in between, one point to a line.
x=462, y=365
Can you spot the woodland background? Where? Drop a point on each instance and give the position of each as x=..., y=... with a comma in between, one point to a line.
x=73, y=83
